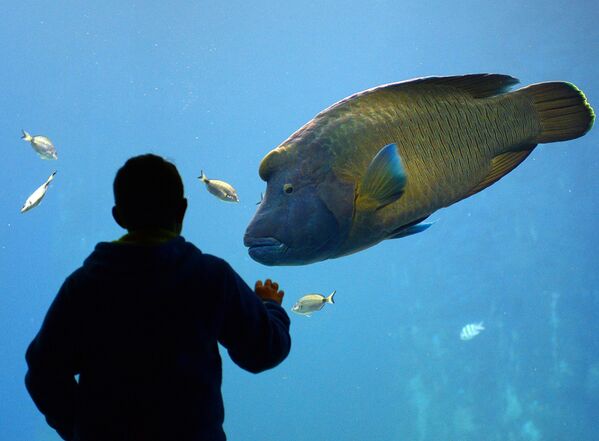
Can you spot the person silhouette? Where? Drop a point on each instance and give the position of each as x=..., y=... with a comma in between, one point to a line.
x=128, y=349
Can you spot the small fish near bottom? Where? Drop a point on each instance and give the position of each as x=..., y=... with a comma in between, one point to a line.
x=311, y=303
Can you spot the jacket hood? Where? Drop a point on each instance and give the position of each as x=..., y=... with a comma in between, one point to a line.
x=120, y=258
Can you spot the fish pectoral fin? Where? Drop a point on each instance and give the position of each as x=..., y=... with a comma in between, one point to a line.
x=409, y=229
x=501, y=165
x=384, y=180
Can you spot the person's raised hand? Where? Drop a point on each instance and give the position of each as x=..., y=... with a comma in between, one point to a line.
x=269, y=291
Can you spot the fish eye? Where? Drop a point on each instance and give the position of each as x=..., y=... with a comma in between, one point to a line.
x=288, y=188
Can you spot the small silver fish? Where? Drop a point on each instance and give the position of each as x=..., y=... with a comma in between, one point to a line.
x=220, y=189
x=471, y=330
x=37, y=196
x=311, y=303
x=41, y=144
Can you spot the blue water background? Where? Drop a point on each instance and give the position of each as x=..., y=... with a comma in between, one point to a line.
x=215, y=85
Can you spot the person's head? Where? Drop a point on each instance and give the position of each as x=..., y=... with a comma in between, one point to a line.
x=148, y=193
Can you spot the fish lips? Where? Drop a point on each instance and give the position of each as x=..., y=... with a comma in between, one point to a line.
x=265, y=250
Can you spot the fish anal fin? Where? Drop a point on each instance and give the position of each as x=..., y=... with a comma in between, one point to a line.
x=411, y=228
x=501, y=165
x=416, y=222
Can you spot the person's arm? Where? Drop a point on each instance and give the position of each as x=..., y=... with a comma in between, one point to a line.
x=50, y=378
x=255, y=332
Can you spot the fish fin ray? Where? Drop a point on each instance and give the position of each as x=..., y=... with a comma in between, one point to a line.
x=26, y=136
x=50, y=179
x=416, y=222
x=501, y=165
x=329, y=298
x=384, y=180
x=563, y=111
x=409, y=229
x=477, y=85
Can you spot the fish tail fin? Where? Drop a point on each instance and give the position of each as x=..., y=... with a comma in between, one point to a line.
x=329, y=299
x=26, y=136
x=563, y=110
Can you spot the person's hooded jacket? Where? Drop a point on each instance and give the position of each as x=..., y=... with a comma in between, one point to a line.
x=139, y=324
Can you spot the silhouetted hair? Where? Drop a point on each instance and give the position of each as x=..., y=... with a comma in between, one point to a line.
x=148, y=190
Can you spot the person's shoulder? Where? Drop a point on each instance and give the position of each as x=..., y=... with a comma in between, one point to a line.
x=74, y=283
x=208, y=260
x=216, y=262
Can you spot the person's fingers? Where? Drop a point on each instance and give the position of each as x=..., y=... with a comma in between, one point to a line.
x=269, y=290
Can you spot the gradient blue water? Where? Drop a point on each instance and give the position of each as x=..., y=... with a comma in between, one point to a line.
x=214, y=86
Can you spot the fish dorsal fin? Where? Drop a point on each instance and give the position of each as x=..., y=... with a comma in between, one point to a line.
x=501, y=165
x=477, y=85
x=384, y=180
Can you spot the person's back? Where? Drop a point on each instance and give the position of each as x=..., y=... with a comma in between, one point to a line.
x=139, y=323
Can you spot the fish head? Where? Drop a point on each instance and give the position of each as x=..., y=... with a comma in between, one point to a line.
x=26, y=207
x=296, y=222
x=231, y=196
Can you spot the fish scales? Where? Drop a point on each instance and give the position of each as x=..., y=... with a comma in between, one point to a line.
x=436, y=154
x=442, y=162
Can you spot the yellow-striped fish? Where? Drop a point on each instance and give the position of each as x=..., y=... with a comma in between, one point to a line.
x=376, y=164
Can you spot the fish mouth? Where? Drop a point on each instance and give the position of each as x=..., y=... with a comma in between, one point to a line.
x=265, y=250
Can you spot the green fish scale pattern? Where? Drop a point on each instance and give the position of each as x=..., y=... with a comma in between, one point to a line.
x=446, y=142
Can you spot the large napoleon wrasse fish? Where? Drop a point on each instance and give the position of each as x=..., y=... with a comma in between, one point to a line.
x=375, y=165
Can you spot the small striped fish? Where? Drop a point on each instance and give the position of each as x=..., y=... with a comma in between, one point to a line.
x=311, y=303
x=41, y=144
x=221, y=189
x=471, y=330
